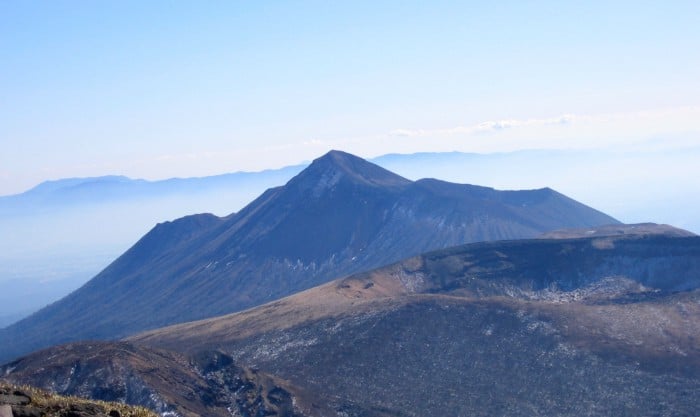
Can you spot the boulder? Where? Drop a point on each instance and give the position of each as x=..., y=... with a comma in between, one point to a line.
x=16, y=398
x=26, y=411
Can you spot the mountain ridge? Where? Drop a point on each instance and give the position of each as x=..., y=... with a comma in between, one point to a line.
x=487, y=269
x=591, y=177
x=339, y=216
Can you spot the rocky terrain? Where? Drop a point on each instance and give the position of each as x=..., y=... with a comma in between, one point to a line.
x=339, y=216
x=504, y=328
x=204, y=384
x=598, y=326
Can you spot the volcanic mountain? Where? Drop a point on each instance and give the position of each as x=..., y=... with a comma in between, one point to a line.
x=339, y=216
x=598, y=326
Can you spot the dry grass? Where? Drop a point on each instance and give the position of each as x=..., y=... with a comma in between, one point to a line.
x=53, y=403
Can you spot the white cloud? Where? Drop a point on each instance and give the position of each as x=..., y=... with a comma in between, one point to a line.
x=623, y=130
x=313, y=142
x=487, y=126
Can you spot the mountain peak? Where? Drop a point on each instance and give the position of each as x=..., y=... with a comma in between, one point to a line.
x=340, y=215
x=337, y=156
x=336, y=166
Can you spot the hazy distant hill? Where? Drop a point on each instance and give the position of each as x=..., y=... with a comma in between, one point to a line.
x=340, y=215
x=51, y=195
x=597, y=326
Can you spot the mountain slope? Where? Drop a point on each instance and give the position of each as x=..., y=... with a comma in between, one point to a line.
x=597, y=326
x=591, y=326
x=339, y=216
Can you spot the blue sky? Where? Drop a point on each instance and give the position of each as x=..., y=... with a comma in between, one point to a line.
x=161, y=89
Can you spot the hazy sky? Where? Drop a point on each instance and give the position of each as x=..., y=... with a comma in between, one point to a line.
x=158, y=89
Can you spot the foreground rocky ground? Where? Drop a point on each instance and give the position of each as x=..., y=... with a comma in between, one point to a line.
x=26, y=401
x=205, y=384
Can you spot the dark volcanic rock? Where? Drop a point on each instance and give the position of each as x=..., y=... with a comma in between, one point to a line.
x=339, y=216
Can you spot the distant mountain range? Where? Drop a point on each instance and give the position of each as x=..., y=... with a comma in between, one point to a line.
x=50, y=195
x=338, y=216
x=61, y=233
x=601, y=321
